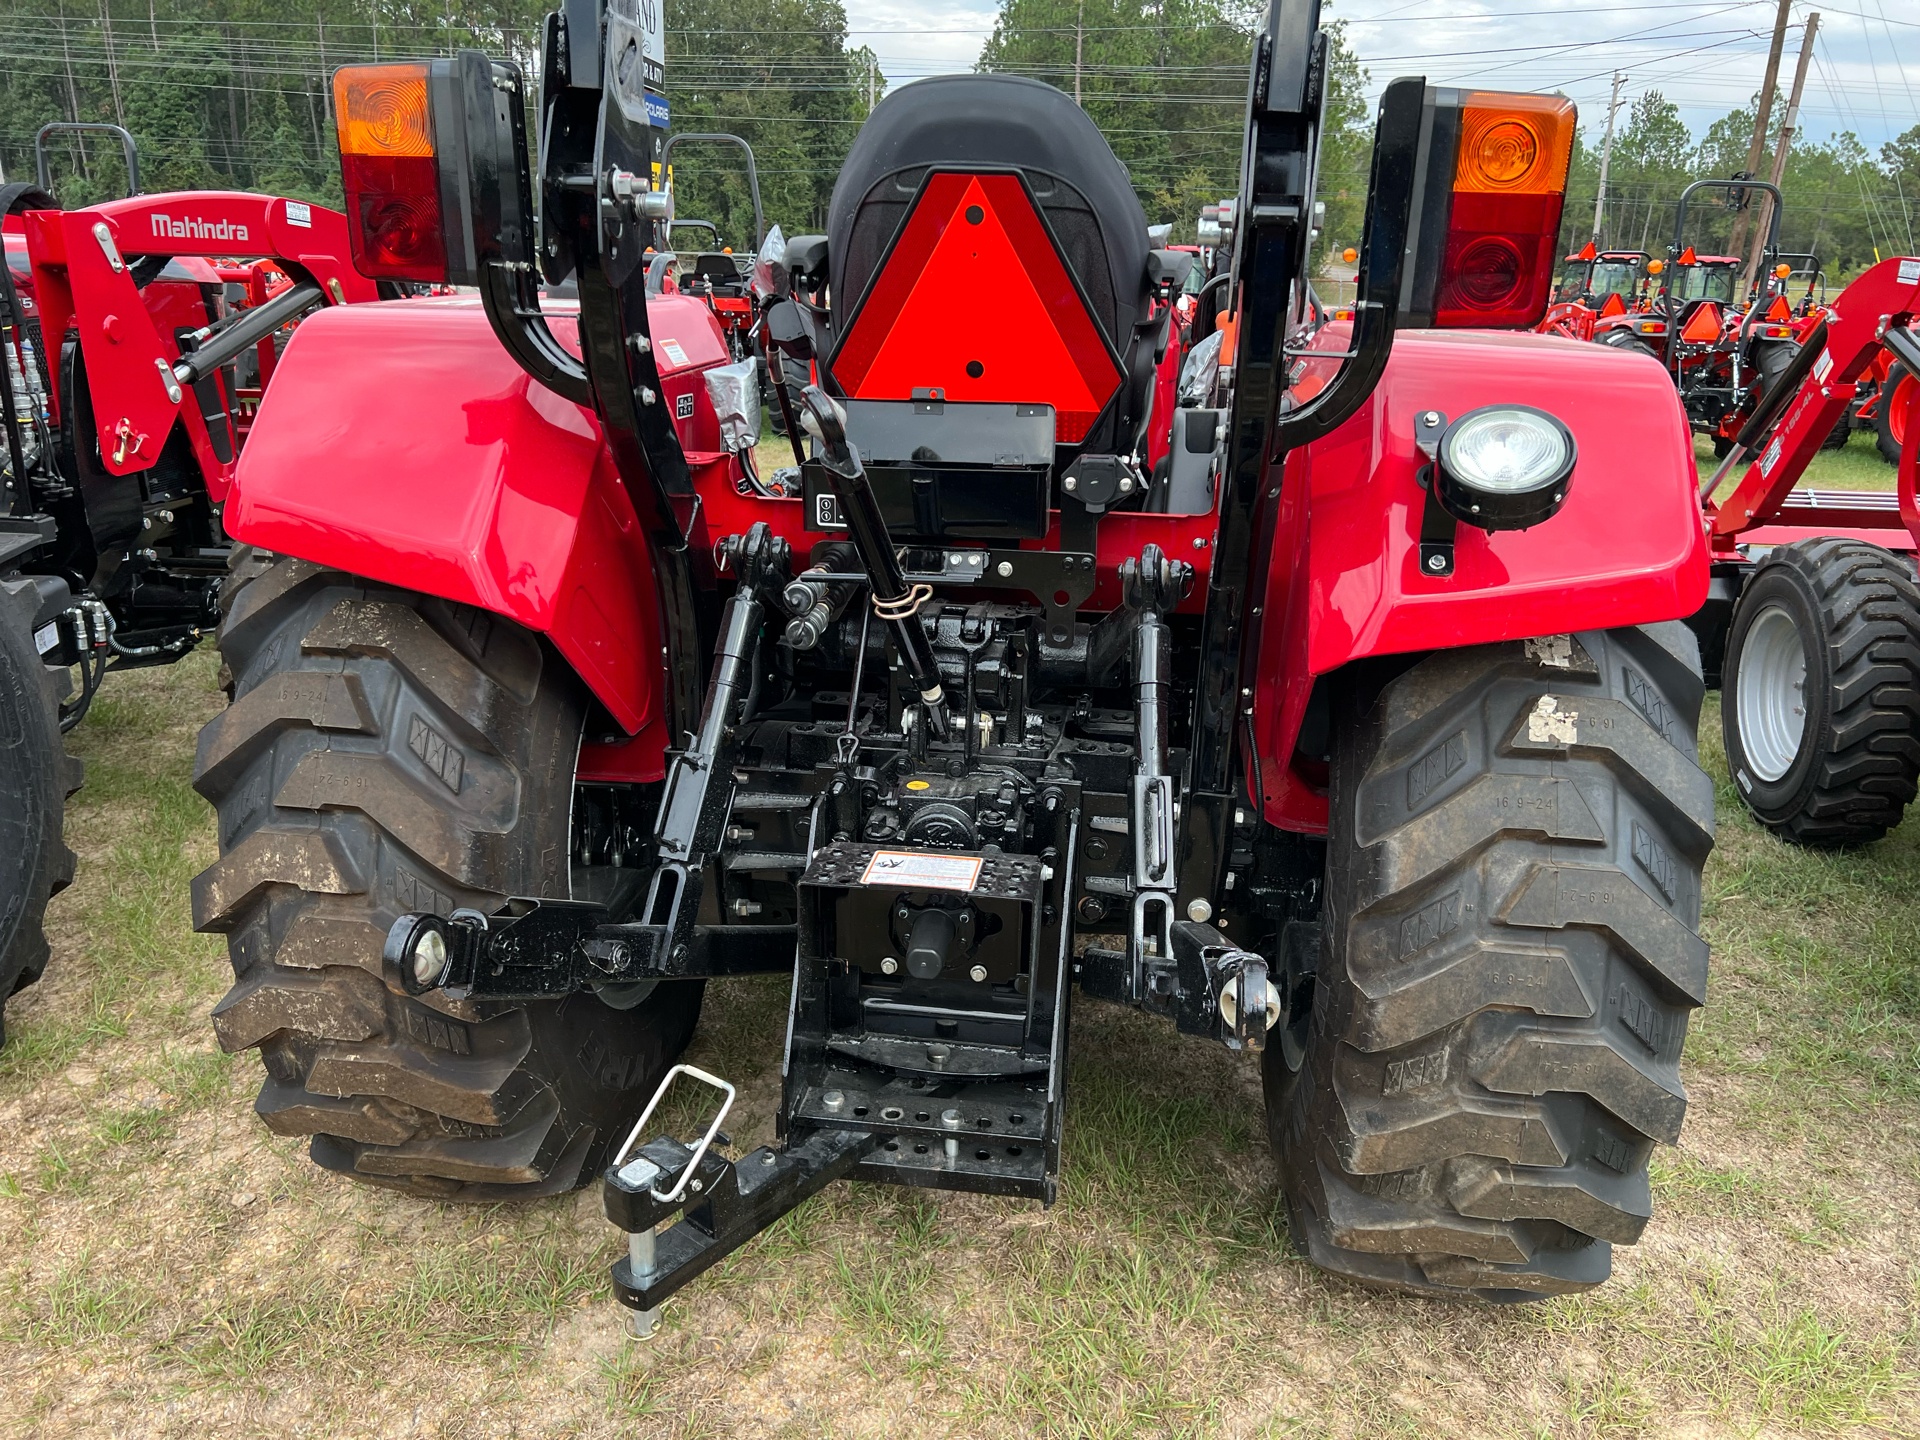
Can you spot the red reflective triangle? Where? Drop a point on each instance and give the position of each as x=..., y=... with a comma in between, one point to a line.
x=1587, y=252
x=1687, y=257
x=1779, y=310
x=974, y=300
x=1614, y=305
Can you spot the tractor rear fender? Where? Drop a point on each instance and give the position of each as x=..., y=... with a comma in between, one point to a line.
x=1344, y=582
x=401, y=442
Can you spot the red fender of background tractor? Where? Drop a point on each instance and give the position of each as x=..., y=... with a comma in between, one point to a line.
x=1626, y=548
x=81, y=278
x=449, y=471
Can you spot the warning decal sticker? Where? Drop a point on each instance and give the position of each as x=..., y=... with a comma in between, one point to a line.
x=922, y=869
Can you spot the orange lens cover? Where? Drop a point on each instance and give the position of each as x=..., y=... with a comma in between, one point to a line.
x=1514, y=144
x=382, y=110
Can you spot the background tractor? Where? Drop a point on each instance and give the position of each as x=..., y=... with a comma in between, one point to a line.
x=1365, y=744
x=1721, y=346
x=1813, y=623
x=138, y=337
x=1597, y=288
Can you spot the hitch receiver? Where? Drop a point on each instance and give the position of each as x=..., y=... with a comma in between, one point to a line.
x=722, y=1203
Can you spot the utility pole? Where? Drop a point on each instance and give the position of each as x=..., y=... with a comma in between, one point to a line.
x=1786, y=141
x=1079, y=37
x=1606, y=155
x=113, y=70
x=1758, y=146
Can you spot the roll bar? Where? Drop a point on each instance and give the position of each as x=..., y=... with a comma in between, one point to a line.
x=53, y=127
x=753, y=174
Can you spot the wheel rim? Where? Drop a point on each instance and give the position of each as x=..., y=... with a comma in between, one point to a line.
x=1772, y=705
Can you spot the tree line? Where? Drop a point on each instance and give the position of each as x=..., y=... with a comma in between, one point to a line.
x=234, y=94
x=1843, y=204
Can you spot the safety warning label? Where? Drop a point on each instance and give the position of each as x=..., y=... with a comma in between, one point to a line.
x=922, y=869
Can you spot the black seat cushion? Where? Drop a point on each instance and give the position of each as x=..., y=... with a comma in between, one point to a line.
x=996, y=122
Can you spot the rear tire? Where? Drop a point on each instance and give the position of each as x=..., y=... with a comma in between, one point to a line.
x=1821, y=692
x=36, y=777
x=1510, y=956
x=386, y=752
x=1890, y=419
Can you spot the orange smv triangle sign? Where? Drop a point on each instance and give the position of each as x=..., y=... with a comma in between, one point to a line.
x=975, y=301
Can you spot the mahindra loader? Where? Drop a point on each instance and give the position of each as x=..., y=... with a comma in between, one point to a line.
x=137, y=337
x=1364, y=747
x=1812, y=623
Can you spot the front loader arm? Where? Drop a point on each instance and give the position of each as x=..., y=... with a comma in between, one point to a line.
x=84, y=276
x=1875, y=310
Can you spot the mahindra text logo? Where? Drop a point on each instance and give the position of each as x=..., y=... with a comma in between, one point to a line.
x=165, y=227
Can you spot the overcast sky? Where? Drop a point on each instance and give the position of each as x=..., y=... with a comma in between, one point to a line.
x=1707, y=56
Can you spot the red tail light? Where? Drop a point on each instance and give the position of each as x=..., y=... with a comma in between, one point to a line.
x=1482, y=245
x=389, y=172
x=1509, y=179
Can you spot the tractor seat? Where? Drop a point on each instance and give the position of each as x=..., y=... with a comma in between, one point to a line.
x=985, y=245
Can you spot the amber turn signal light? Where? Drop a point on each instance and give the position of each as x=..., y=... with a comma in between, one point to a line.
x=389, y=171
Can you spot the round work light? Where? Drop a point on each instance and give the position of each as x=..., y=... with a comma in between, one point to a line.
x=1504, y=467
x=416, y=952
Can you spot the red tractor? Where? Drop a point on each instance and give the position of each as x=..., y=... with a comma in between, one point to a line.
x=1598, y=290
x=1724, y=350
x=138, y=336
x=1886, y=403
x=1381, y=767
x=1813, y=622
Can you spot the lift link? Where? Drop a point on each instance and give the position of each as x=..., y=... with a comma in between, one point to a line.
x=894, y=601
x=1150, y=587
x=692, y=821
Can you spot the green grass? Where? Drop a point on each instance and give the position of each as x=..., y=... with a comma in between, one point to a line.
x=154, y=1233
x=1857, y=465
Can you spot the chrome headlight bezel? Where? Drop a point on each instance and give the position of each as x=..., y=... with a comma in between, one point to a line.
x=1473, y=500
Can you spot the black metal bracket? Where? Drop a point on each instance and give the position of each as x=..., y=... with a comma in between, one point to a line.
x=723, y=1204
x=1438, y=530
x=548, y=949
x=699, y=789
x=1438, y=527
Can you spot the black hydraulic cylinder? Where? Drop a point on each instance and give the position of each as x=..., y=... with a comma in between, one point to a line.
x=245, y=331
x=893, y=600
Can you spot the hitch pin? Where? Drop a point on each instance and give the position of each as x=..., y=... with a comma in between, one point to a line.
x=640, y=1255
x=642, y=1244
